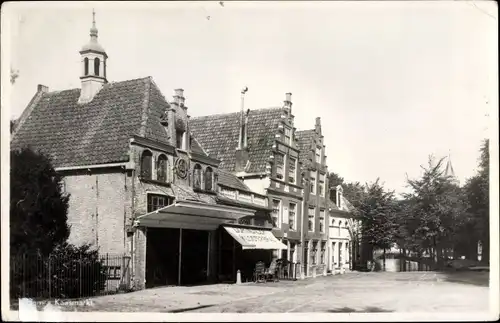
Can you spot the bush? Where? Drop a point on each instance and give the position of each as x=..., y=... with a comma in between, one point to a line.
x=69, y=272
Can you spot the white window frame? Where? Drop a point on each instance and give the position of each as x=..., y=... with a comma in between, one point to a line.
x=294, y=227
x=294, y=171
x=322, y=221
x=280, y=212
x=322, y=185
x=282, y=167
x=318, y=156
x=313, y=216
x=288, y=139
x=313, y=183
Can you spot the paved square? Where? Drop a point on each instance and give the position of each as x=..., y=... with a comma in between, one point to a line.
x=352, y=292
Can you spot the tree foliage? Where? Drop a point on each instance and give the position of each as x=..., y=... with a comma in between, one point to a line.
x=38, y=207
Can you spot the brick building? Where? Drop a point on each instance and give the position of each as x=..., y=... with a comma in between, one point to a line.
x=141, y=185
x=260, y=147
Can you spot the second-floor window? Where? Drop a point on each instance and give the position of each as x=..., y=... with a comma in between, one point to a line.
x=280, y=162
x=292, y=162
x=276, y=215
x=208, y=179
x=321, y=187
x=197, y=176
x=322, y=221
x=288, y=136
x=310, y=222
x=156, y=201
x=146, y=164
x=292, y=216
x=162, y=169
x=312, y=182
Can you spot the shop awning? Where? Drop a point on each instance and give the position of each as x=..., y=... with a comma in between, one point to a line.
x=255, y=238
x=193, y=215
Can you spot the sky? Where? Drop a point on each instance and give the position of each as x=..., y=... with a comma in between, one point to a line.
x=393, y=82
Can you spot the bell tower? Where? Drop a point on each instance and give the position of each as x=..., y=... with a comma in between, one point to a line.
x=93, y=66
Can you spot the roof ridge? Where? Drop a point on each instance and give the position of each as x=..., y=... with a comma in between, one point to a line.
x=229, y=113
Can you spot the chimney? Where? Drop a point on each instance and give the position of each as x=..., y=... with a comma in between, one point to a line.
x=42, y=88
x=317, y=126
x=179, y=97
x=288, y=101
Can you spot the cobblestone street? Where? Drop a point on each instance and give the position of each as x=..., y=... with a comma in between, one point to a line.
x=352, y=292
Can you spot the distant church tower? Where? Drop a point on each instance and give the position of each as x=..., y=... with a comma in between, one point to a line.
x=450, y=172
x=93, y=66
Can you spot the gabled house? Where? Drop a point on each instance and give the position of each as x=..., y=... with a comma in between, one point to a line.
x=141, y=185
x=260, y=148
x=313, y=160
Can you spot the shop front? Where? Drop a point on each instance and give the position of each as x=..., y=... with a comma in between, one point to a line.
x=183, y=243
x=241, y=247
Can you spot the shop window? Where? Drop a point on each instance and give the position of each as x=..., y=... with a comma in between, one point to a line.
x=157, y=201
x=162, y=169
x=208, y=179
x=146, y=164
x=197, y=176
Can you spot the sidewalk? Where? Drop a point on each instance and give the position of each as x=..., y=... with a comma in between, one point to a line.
x=179, y=299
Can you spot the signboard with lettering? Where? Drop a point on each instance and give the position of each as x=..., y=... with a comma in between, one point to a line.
x=255, y=239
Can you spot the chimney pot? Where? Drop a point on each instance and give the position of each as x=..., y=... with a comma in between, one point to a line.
x=179, y=92
x=42, y=88
x=318, y=121
x=288, y=97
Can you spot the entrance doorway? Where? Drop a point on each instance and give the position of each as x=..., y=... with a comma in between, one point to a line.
x=165, y=247
x=162, y=257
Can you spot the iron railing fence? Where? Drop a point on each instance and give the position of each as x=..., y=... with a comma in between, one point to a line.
x=288, y=271
x=72, y=276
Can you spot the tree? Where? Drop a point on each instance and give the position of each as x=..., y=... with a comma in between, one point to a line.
x=377, y=208
x=334, y=180
x=38, y=207
x=477, y=192
x=435, y=211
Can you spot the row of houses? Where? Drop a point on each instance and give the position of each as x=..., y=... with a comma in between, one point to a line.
x=188, y=200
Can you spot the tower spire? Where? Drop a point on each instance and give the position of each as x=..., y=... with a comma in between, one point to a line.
x=93, y=30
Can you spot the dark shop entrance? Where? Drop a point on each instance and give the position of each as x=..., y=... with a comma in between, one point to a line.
x=176, y=257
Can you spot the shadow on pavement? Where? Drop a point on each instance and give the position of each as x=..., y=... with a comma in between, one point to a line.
x=189, y=309
x=468, y=277
x=368, y=309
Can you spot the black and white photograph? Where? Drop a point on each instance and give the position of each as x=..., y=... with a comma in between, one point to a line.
x=249, y=161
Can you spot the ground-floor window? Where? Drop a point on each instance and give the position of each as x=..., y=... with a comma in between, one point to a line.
x=157, y=201
x=314, y=253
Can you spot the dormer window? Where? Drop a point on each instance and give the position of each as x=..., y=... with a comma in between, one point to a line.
x=97, y=63
x=86, y=66
x=197, y=176
x=162, y=168
x=179, y=139
x=280, y=162
x=146, y=164
x=208, y=179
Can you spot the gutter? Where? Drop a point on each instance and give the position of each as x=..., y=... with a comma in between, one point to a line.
x=126, y=165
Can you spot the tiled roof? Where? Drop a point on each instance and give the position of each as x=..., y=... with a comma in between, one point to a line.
x=304, y=143
x=97, y=132
x=218, y=135
x=228, y=179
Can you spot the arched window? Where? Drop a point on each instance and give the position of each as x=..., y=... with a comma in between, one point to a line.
x=208, y=179
x=197, y=176
x=86, y=65
x=146, y=164
x=97, y=62
x=161, y=169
